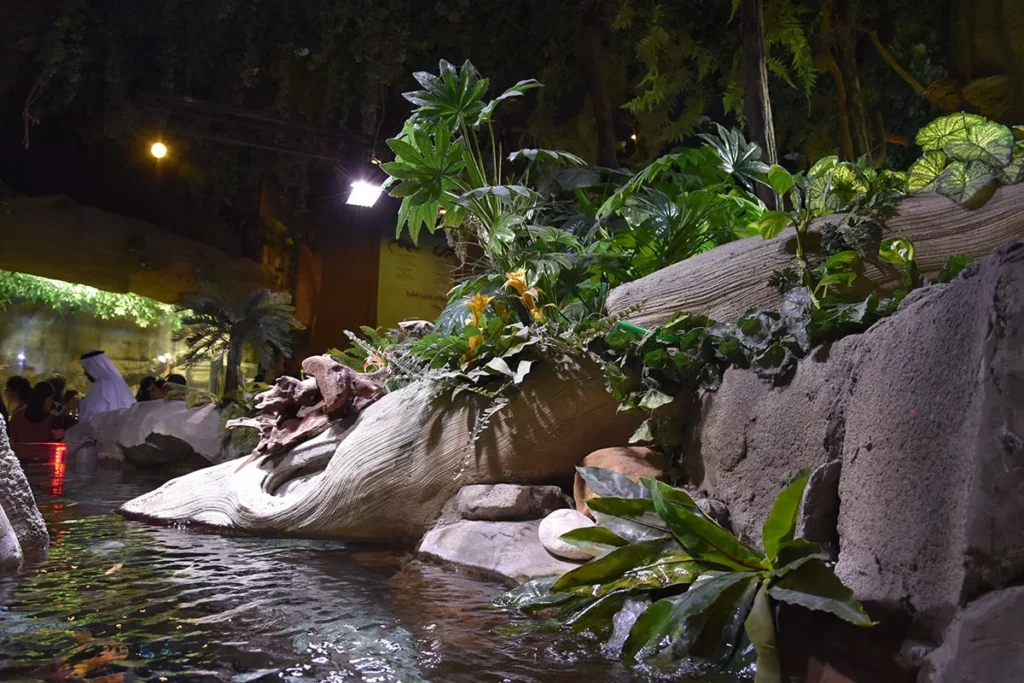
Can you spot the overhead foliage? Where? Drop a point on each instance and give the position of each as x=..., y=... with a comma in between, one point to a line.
x=66, y=297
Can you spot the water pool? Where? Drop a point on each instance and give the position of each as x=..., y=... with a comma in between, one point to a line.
x=118, y=601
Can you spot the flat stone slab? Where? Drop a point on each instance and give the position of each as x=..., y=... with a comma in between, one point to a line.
x=509, y=550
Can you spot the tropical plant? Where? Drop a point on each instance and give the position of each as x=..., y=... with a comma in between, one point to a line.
x=713, y=597
x=213, y=325
x=966, y=157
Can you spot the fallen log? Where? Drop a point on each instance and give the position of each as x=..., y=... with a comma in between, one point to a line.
x=385, y=474
x=731, y=279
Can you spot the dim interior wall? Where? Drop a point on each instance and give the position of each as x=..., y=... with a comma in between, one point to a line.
x=52, y=342
x=414, y=279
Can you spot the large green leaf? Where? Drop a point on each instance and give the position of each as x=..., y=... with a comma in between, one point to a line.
x=615, y=564
x=594, y=539
x=670, y=569
x=701, y=537
x=517, y=90
x=1014, y=171
x=737, y=156
x=815, y=586
x=780, y=179
x=961, y=182
x=633, y=519
x=611, y=484
x=989, y=142
x=453, y=98
x=780, y=525
x=946, y=129
x=549, y=156
x=760, y=627
x=898, y=251
x=773, y=222
x=664, y=623
x=722, y=623
x=922, y=173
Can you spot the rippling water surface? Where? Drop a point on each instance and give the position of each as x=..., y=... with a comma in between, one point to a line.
x=118, y=601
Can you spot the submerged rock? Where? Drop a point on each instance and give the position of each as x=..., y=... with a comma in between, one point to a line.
x=18, y=504
x=562, y=522
x=509, y=550
x=508, y=502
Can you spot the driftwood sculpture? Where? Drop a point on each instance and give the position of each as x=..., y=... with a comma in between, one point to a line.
x=293, y=410
x=385, y=475
x=726, y=282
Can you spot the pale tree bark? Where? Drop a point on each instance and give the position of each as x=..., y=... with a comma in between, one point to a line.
x=757, y=105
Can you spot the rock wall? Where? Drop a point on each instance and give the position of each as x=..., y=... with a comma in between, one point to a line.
x=925, y=413
x=155, y=433
x=387, y=476
x=19, y=509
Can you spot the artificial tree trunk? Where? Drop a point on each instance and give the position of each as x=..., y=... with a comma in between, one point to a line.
x=757, y=105
x=233, y=372
x=598, y=96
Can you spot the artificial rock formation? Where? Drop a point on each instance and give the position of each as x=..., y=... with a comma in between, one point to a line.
x=925, y=413
x=508, y=502
x=561, y=522
x=726, y=282
x=385, y=473
x=295, y=410
x=155, y=434
x=22, y=529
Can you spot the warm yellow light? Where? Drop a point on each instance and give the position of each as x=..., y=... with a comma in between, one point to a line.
x=159, y=150
x=633, y=137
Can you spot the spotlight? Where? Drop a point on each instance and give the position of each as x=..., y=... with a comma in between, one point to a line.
x=159, y=150
x=364, y=193
x=21, y=358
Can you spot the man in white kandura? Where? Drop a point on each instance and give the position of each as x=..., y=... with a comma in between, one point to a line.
x=109, y=390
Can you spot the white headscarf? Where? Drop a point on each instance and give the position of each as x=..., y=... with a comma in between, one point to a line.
x=110, y=392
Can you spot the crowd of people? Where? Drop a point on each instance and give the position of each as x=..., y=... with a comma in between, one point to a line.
x=46, y=411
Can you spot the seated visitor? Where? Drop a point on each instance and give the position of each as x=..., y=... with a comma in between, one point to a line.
x=173, y=386
x=109, y=391
x=144, y=387
x=33, y=423
x=17, y=393
x=59, y=385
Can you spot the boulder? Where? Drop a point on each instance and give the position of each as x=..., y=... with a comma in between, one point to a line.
x=10, y=549
x=507, y=550
x=562, y=522
x=634, y=462
x=926, y=412
x=984, y=643
x=818, y=517
x=18, y=503
x=508, y=502
x=386, y=473
x=155, y=433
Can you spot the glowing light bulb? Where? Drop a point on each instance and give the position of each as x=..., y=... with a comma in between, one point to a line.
x=364, y=193
x=159, y=150
x=21, y=357
x=633, y=137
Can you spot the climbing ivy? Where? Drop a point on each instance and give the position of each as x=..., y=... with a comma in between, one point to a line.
x=68, y=297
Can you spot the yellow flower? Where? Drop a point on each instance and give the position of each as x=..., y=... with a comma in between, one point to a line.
x=538, y=315
x=477, y=305
x=516, y=281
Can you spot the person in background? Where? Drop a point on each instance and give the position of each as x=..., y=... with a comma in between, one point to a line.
x=60, y=426
x=109, y=391
x=34, y=423
x=174, y=385
x=59, y=385
x=144, y=388
x=18, y=392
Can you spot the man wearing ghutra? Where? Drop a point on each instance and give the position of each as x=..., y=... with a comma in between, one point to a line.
x=109, y=390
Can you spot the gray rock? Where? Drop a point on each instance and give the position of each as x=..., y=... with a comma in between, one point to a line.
x=508, y=502
x=155, y=433
x=926, y=412
x=818, y=518
x=562, y=522
x=716, y=510
x=509, y=550
x=932, y=486
x=985, y=643
x=10, y=549
x=18, y=503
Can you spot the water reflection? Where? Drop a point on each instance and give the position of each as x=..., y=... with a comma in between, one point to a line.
x=118, y=601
